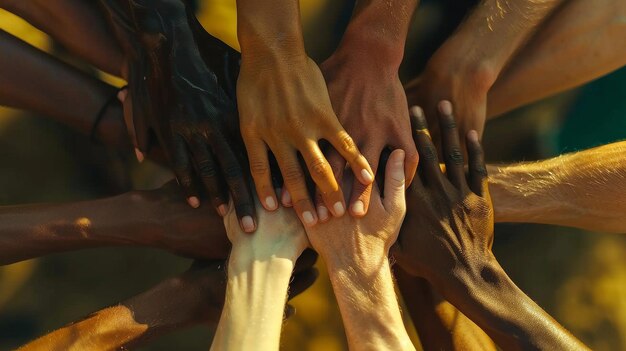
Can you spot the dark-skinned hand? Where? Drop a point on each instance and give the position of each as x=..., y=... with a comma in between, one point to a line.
x=449, y=220
x=184, y=98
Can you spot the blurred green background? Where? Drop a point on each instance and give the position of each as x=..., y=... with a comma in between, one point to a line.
x=578, y=277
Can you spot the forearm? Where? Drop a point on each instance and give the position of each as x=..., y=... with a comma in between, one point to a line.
x=77, y=25
x=368, y=304
x=36, y=230
x=586, y=189
x=269, y=30
x=33, y=80
x=379, y=29
x=439, y=324
x=579, y=43
x=256, y=294
x=484, y=293
x=485, y=42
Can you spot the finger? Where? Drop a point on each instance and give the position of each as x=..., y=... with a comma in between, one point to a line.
x=478, y=176
x=451, y=145
x=429, y=162
x=411, y=157
x=361, y=193
x=207, y=169
x=306, y=260
x=261, y=173
x=393, y=200
x=338, y=165
x=343, y=143
x=127, y=106
x=183, y=169
x=323, y=177
x=238, y=185
x=285, y=198
x=302, y=281
x=320, y=206
x=295, y=185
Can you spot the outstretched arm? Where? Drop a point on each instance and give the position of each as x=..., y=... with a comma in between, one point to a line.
x=155, y=218
x=78, y=25
x=191, y=298
x=468, y=63
x=585, y=189
x=356, y=253
x=580, y=42
x=259, y=268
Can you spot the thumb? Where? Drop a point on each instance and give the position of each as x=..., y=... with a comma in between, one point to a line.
x=394, y=183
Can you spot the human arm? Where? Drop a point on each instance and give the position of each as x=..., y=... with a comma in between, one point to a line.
x=259, y=268
x=366, y=92
x=579, y=43
x=78, y=25
x=468, y=63
x=439, y=325
x=285, y=108
x=583, y=189
x=355, y=251
x=155, y=218
x=447, y=238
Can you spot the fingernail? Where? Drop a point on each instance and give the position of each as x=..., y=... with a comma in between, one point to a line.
x=358, y=208
x=367, y=176
x=270, y=203
x=121, y=95
x=193, y=201
x=339, y=210
x=472, y=135
x=139, y=155
x=445, y=107
x=307, y=216
x=286, y=198
x=322, y=212
x=222, y=210
x=417, y=111
x=248, y=224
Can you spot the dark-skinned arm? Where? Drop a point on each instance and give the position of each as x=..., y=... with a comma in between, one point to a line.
x=447, y=236
x=155, y=218
x=78, y=25
x=366, y=92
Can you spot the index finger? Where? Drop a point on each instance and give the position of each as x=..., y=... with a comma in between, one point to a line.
x=428, y=162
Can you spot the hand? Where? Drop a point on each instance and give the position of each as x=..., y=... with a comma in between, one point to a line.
x=185, y=97
x=279, y=234
x=371, y=105
x=173, y=226
x=366, y=240
x=284, y=107
x=465, y=87
x=449, y=222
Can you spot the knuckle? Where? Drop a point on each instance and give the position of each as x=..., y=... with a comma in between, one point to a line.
x=346, y=143
x=232, y=171
x=428, y=153
x=292, y=173
x=319, y=167
x=480, y=169
x=448, y=122
x=258, y=167
x=455, y=156
x=207, y=169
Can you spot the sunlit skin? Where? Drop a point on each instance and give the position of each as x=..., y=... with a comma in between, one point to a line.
x=447, y=237
x=356, y=253
x=579, y=43
x=466, y=66
x=192, y=298
x=284, y=108
x=259, y=268
x=366, y=92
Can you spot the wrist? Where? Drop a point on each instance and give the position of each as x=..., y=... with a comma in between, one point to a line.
x=473, y=72
x=359, y=260
x=372, y=52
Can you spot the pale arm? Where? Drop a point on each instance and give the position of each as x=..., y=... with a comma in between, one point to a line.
x=580, y=42
x=585, y=189
x=259, y=269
